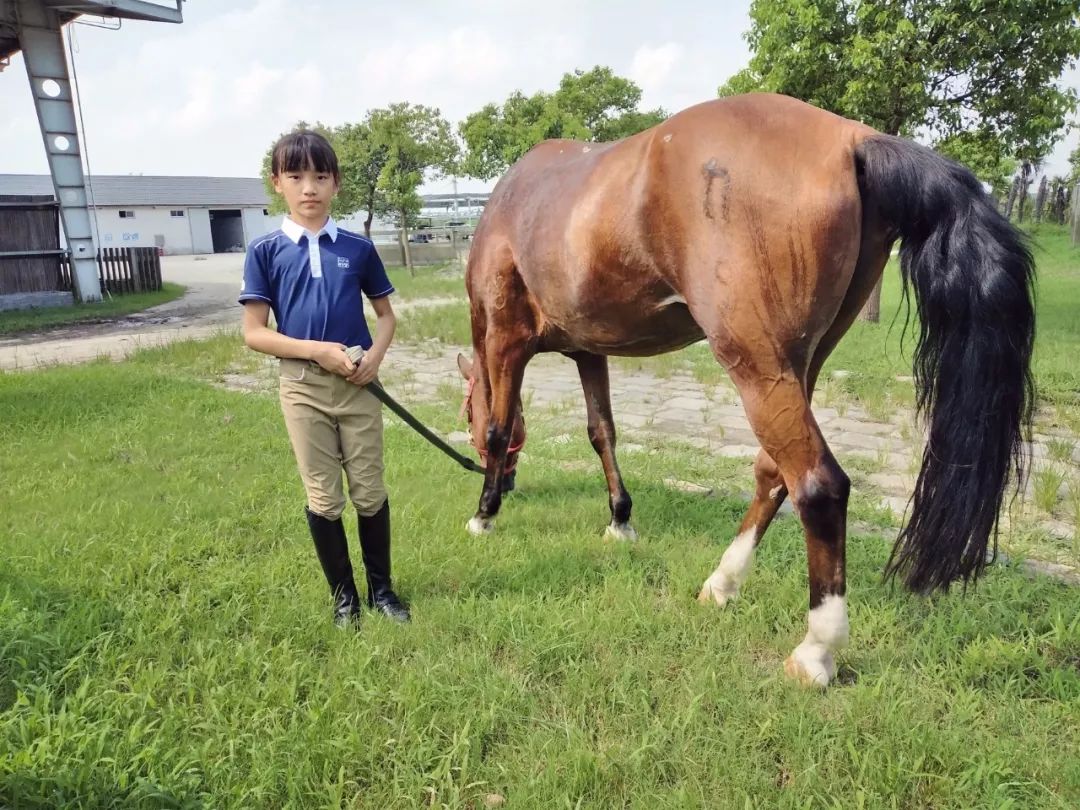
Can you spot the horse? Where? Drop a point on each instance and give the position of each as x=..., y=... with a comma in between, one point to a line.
x=760, y=224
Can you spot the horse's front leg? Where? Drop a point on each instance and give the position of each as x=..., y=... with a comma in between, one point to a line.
x=505, y=369
x=593, y=370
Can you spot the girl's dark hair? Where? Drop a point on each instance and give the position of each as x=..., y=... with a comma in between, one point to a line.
x=304, y=150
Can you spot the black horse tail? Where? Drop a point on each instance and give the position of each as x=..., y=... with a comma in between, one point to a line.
x=973, y=277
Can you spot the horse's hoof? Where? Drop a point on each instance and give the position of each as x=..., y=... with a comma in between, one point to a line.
x=809, y=670
x=478, y=526
x=719, y=588
x=620, y=531
x=710, y=594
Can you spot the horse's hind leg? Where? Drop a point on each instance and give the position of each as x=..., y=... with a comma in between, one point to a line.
x=593, y=370
x=723, y=585
x=780, y=415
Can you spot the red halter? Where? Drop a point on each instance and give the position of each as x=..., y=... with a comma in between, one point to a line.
x=466, y=411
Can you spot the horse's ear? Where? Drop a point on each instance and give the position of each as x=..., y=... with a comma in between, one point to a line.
x=464, y=366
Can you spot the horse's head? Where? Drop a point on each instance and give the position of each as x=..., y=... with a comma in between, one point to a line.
x=477, y=409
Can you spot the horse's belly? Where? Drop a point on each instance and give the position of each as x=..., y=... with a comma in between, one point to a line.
x=627, y=331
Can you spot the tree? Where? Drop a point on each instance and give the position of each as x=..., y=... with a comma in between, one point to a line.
x=1074, y=168
x=605, y=104
x=417, y=143
x=1040, y=198
x=497, y=136
x=1014, y=192
x=1024, y=179
x=938, y=68
x=1059, y=200
x=361, y=160
x=594, y=105
x=985, y=155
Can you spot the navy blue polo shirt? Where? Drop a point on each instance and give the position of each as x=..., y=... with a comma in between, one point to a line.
x=313, y=282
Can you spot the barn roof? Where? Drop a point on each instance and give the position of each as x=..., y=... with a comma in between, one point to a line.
x=118, y=190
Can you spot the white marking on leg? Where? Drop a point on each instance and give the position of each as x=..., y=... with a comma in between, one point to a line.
x=812, y=662
x=479, y=526
x=671, y=299
x=723, y=584
x=775, y=491
x=620, y=531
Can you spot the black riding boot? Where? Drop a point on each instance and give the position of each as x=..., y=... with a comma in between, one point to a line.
x=375, y=545
x=333, y=552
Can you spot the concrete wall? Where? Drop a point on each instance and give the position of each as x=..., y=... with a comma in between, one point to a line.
x=150, y=227
x=36, y=299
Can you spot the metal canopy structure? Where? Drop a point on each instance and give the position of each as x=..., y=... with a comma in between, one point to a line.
x=34, y=27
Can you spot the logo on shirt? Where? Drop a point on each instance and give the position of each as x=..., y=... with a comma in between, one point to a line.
x=342, y=263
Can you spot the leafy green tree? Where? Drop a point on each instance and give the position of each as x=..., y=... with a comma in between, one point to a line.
x=1074, y=168
x=498, y=135
x=417, y=144
x=979, y=76
x=985, y=155
x=605, y=104
x=594, y=105
x=361, y=160
x=905, y=66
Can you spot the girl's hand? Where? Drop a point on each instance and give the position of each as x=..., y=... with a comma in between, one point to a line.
x=332, y=357
x=366, y=370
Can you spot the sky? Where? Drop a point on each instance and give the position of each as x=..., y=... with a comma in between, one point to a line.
x=209, y=96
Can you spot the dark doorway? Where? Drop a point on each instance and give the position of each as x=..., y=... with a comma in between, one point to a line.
x=227, y=231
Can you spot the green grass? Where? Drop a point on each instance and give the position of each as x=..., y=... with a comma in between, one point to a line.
x=164, y=633
x=448, y=323
x=1074, y=513
x=1047, y=481
x=438, y=281
x=875, y=354
x=33, y=320
x=1061, y=449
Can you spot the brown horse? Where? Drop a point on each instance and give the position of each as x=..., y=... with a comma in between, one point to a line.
x=761, y=224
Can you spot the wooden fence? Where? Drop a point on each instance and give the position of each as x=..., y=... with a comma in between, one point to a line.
x=29, y=244
x=121, y=270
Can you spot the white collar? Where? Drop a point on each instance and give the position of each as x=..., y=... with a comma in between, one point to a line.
x=294, y=230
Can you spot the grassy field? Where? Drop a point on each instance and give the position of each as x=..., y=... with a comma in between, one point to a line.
x=874, y=357
x=48, y=317
x=438, y=281
x=164, y=638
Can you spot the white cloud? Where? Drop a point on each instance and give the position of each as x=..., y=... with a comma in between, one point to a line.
x=210, y=95
x=255, y=87
x=200, y=106
x=651, y=66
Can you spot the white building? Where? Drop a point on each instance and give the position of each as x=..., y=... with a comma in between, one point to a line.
x=210, y=214
x=176, y=214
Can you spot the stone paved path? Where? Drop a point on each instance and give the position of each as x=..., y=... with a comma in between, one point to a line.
x=709, y=417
